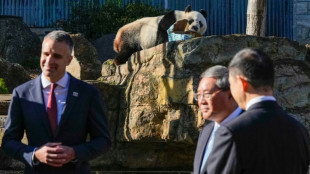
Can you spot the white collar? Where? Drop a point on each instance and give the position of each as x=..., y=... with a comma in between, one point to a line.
x=63, y=82
x=232, y=116
x=259, y=99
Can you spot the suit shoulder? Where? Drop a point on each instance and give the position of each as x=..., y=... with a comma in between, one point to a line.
x=85, y=86
x=25, y=86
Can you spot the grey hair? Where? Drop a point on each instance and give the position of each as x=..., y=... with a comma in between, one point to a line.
x=220, y=73
x=61, y=36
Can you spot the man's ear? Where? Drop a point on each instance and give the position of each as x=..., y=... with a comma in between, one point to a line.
x=69, y=60
x=244, y=83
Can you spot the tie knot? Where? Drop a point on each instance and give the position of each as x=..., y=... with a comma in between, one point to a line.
x=53, y=86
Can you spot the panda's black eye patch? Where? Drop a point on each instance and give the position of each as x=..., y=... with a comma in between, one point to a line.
x=200, y=23
x=190, y=21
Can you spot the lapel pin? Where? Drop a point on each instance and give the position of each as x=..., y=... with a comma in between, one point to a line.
x=75, y=94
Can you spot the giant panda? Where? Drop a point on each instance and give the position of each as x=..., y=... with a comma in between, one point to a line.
x=150, y=31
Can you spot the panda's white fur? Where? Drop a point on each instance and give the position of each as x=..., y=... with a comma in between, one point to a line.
x=141, y=32
x=150, y=31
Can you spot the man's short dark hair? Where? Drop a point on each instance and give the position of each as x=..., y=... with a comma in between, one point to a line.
x=61, y=36
x=255, y=65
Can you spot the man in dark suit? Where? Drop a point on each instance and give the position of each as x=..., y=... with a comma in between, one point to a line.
x=264, y=139
x=58, y=113
x=217, y=105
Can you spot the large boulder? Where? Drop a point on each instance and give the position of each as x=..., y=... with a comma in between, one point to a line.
x=17, y=42
x=13, y=74
x=85, y=64
x=156, y=119
x=104, y=47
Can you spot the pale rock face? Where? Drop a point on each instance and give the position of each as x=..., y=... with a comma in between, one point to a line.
x=85, y=64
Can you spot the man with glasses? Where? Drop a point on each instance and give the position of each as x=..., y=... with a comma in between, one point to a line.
x=217, y=105
x=264, y=139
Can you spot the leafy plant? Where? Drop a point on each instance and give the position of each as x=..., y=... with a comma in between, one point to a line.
x=95, y=20
x=3, y=89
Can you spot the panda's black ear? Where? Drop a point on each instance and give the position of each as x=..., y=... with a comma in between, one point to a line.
x=188, y=9
x=204, y=13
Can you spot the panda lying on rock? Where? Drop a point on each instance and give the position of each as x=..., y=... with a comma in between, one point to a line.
x=150, y=31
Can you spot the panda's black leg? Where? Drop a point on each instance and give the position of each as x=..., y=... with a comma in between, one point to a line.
x=123, y=56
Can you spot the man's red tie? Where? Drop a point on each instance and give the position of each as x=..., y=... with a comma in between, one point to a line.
x=52, y=109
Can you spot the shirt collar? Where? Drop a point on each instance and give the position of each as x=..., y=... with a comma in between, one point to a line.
x=230, y=117
x=63, y=82
x=259, y=99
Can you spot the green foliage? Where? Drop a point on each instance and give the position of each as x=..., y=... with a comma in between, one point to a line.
x=3, y=89
x=31, y=63
x=95, y=20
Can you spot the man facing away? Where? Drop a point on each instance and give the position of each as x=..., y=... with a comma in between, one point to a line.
x=264, y=138
x=216, y=104
x=57, y=112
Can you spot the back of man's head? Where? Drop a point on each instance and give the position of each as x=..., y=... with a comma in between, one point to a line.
x=255, y=66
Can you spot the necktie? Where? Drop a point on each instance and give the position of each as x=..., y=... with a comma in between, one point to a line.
x=209, y=147
x=52, y=109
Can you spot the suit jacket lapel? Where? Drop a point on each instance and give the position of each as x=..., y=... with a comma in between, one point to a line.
x=202, y=143
x=72, y=96
x=36, y=93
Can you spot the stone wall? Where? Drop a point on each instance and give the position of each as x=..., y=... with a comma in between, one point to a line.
x=301, y=28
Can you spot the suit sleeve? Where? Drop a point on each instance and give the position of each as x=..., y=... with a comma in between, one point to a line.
x=223, y=158
x=100, y=141
x=14, y=132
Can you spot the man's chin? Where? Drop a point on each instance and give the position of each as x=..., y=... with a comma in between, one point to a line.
x=47, y=74
x=206, y=116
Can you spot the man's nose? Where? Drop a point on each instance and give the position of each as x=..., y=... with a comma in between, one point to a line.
x=49, y=59
x=203, y=100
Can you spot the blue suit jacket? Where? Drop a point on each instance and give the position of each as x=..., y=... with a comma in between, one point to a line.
x=83, y=116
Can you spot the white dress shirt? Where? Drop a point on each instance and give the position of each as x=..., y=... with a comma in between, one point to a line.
x=259, y=99
x=61, y=92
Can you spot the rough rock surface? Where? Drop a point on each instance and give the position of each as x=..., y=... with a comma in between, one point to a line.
x=153, y=118
x=17, y=42
x=85, y=64
x=13, y=74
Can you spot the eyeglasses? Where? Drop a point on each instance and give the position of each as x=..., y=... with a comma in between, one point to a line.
x=205, y=95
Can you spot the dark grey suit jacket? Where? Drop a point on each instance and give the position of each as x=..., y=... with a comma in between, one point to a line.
x=204, y=136
x=83, y=115
x=264, y=139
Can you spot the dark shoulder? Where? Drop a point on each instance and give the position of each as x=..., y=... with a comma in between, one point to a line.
x=25, y=86
x=263, y=116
